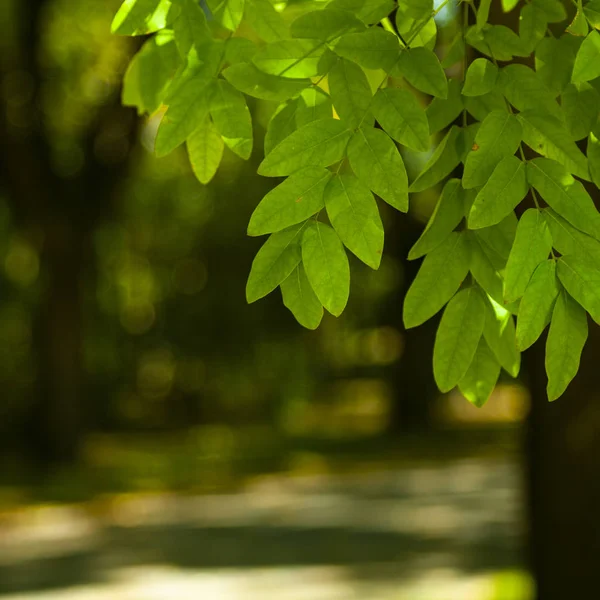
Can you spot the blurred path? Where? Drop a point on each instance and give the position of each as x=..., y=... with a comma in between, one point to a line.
x=415, y=533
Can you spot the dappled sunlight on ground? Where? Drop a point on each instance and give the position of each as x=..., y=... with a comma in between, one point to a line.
x=424, y=532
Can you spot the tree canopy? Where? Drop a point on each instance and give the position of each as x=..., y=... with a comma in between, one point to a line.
x=504, y=123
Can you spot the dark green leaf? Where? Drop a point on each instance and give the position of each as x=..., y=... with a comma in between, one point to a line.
x=532, y=26
x=441, y=112
x=282, y=123
x=587, y=61
x=313, y=104
x=326, y=24
x=499, y=333
x=374, y=48
x=228, y=13
x=581, y=105
x=266, y=21
x=190, y=26
x=554, y=62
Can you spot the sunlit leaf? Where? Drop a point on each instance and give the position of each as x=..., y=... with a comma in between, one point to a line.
x=566, y=339
x=294, y=200
x=479, y=381
x=376, y=161
x=457, y=338
x=350, y=92
x=205, y=149
x=326, y=266
x=582, y=281
x=301, y=300
x=440, y=275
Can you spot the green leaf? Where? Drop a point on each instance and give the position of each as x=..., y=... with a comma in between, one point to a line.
x=483, y=12
x=497, y=41
x=502, y=192
x=455, y=53
x=440, y=275
x=481, y=106
x=592, y=12
x=228, y=13
x=354, y=215
x=326, y=266
x=554, y=59
x=481, y=377
x=499, y=136
x=186, y=112
x=301, y=300
x=376, y=161
x=587, y=61
x=350, y=92
x=564, y=194
x=485, y=272
x=418, y=9
x=524, y=89
x=498, y=240
x=566, y=339
x=417, y=32
x=448, y=213
x=593, y=153
x=374, y=48
x=532, y=26
x=549, y=137
x=457, y=338
x=582, y=281
x=190, y=26
x=239, y=50
x=369, y=11
x=499, y=333
x=532, y=245
x=441, y=112
x=422, y=69
x=274, y=262
x=313, y=104
x=480, y=78
x=402, y=117
x=266, y=21
x=282, y=123
x=568, y=240
x=231, y=116
x=294, y=200
x=581, y=105
x=447, y=156
x=508, y=5
x=326, y=24
x=205, y=149
x=537, y=303
x=319, y=143
x=249, y=80
x=140, y=17
x=553, y=9
x=149, y=73
x=292, y=59
x=579, y=25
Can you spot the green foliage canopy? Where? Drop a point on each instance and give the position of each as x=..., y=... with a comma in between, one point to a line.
x=358, y=85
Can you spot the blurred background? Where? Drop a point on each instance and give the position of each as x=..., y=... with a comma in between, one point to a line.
x=160, y=438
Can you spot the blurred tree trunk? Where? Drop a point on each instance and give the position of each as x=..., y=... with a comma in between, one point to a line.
x=563, y=450
x=412, y=377
x=58, y=215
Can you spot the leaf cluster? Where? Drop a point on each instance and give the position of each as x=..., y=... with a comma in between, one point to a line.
x=511, y=141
